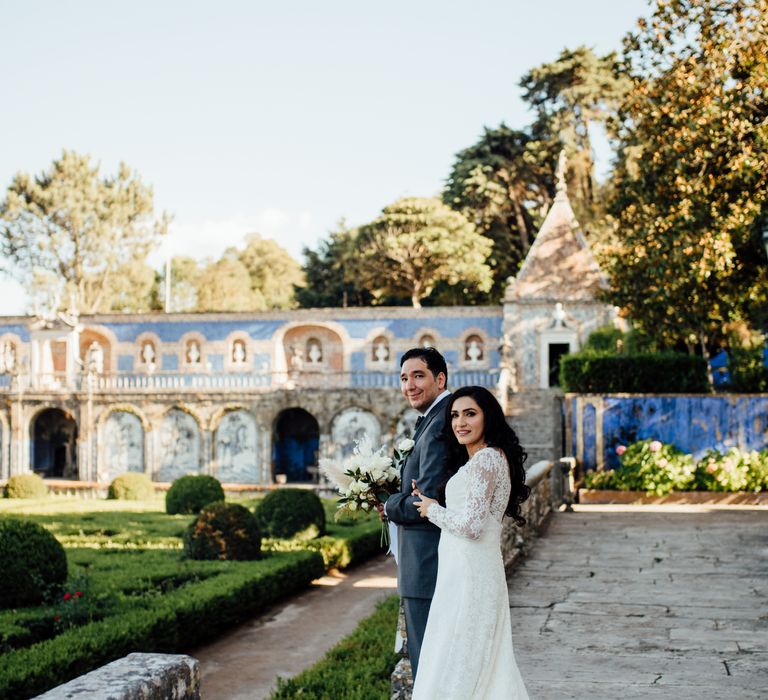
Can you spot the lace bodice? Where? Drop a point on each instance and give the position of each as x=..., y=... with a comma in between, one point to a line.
x=485, y=494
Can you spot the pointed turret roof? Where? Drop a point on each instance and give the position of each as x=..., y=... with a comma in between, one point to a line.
x=559, y=265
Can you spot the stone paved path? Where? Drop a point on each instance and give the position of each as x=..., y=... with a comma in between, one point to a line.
x=623, y=602
x=289, y=637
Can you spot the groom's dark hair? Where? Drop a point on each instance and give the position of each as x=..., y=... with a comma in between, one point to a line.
x=435, y=361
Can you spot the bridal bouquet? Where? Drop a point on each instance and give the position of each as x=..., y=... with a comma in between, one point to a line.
x=363, y=479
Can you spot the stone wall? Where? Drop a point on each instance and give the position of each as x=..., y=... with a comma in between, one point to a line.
x=537, y=417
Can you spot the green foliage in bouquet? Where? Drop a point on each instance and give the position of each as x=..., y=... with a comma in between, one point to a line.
x=191, y=493
x=295, y=513
x=131, y=486
x=33, y=563
x=26, y=486
x=225, y=531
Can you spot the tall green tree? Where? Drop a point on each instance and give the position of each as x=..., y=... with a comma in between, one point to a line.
x=417, y=243
x=225, y=285
x=498, y=185
x=329, y=281
x=571, y=96
x=691, y=183
x=274, y=273
x=80, y=232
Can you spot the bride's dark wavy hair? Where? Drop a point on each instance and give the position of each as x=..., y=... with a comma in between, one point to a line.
x=496, y=433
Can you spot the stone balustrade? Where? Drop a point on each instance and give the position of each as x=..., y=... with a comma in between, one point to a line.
x=135, y=677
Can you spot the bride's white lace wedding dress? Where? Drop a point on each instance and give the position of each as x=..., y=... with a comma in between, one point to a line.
x=467, y=649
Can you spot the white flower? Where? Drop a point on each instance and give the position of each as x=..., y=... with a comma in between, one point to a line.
x=334, y=472
x=352, y=505
x=365, y=505
x=405, y=445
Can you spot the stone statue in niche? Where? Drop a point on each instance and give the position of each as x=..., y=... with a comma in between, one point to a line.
x=297, y=359
x=95, y=358
x=474, y=350
x=427, y=341
x=236, y=448
x=238, y=352
x=314, y=351
x=8, y=357
x=148, y=353
x=123, y=445
x=380, y=350
x=193, y=353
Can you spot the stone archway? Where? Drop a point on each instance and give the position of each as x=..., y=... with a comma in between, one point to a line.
x=54, y=444
x=295, y=444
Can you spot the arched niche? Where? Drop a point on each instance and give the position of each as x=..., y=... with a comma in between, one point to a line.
x=235, y=444
x=54, y=444
x=295, y=445
x=123, y=445
x=178, y=449
x=349, y=426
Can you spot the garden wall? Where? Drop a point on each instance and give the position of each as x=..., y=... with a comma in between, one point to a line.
x=596, y=424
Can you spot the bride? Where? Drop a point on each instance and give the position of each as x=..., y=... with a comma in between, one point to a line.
x=467, y=649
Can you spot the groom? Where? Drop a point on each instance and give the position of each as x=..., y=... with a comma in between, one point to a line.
x=423, y=378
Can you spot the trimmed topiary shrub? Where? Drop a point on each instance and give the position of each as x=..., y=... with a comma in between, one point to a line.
x=190, y=494
x=131, y=486
x=26, y=486
x=291, y=513
x=33, y=562
x=223, y=531
x=592, y=372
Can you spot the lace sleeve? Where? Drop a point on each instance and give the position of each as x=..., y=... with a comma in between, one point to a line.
x=482, y=475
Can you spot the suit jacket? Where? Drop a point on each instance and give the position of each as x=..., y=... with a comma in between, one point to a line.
x=417, y=538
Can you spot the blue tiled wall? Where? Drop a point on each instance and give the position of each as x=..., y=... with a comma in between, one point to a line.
x=694, y=424
x=125, y=363
x=170, y=362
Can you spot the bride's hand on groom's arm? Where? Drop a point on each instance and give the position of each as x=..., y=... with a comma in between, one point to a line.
x=424, y=502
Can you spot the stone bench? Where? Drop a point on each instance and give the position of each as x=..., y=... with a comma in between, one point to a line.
x=135, y=677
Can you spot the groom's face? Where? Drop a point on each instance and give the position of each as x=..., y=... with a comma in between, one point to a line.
x=419, y=386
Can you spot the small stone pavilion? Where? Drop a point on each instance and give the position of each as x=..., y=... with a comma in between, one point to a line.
x=255, y=397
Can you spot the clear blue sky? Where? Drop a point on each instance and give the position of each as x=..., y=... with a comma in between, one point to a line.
x=276, y=117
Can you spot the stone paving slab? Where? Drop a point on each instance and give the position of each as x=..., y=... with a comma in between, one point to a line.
x=645, y=601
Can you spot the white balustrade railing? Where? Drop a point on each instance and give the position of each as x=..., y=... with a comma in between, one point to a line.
x=144, y=382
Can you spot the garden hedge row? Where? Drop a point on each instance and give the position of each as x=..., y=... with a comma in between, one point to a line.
x=595, y=373
x=178, y=620
x=358, y=668
x=348, y=545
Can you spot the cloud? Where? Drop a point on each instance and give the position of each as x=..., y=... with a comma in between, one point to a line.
x=209, y=238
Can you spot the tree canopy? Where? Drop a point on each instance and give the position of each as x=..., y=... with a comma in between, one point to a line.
x=415, y=244
x=77, y=236
x=691, y=181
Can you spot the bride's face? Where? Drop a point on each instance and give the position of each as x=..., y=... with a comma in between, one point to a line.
x=468, y=423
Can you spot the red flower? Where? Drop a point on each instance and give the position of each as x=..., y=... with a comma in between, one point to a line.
x=67, y=596
x=57, y=618
x=78, y=594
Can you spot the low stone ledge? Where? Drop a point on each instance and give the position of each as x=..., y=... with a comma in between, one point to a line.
x=722, y=498
x=135, y=677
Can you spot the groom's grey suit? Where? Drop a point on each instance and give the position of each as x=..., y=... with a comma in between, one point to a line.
x=417, y=538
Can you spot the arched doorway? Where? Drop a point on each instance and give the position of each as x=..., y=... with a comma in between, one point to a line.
x=54, y=444
x=297, y=439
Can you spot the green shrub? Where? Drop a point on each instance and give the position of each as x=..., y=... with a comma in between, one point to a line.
x=357, y=668
x=601, y=480
x=747, y=368
x=592, y=373
x=655, y=468
x=223, y=531
x=26, y=486
x=605, y=339
x=131, y=486
x=295, y=513
x=736, y=470
x=176, y=621
x=191, y=493
x=33, y=563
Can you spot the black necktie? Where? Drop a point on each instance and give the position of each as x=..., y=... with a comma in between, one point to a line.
x=419, y=421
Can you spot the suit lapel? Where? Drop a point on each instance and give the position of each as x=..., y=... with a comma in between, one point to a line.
x=428, y=419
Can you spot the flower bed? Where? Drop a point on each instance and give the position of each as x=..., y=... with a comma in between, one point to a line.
x=657, y=469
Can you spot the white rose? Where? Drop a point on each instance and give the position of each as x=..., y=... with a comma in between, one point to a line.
x=376, y=474
x=365, y=505
x=405, y=445
x=352, y=505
